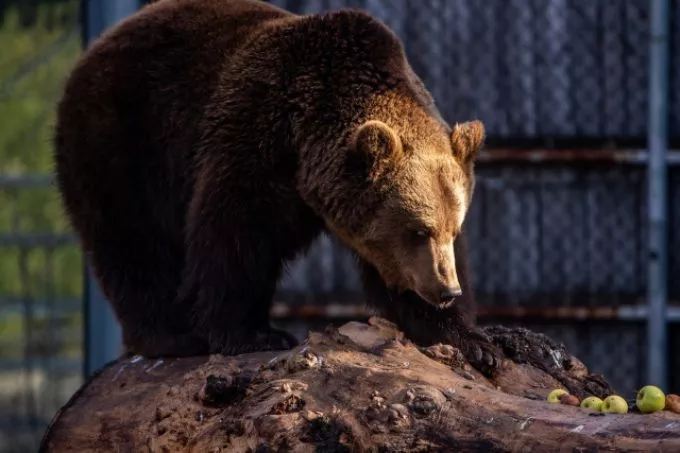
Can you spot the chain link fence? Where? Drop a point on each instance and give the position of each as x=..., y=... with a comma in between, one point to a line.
x=535, y=71
x=558, y=225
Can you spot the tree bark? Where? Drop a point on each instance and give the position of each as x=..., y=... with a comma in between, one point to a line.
x=361, y=387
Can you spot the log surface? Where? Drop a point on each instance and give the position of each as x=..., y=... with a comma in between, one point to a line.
x=361, y=387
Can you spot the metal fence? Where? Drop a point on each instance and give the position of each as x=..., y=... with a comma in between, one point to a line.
x=558, y=226
x=534, y=71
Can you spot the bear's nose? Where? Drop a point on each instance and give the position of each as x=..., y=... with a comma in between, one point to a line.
x=447, y=294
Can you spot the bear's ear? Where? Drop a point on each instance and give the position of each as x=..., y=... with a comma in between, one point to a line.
x=466, y=139
x=376, y=149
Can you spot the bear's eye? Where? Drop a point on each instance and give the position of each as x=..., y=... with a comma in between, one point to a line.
x=420, y=234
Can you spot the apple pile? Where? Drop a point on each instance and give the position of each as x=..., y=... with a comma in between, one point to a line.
x=647, y=400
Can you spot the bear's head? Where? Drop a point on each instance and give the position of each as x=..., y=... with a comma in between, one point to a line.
x=377, y=162
x=426, y=183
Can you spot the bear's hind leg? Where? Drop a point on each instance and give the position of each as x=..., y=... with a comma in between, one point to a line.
x=139, y=274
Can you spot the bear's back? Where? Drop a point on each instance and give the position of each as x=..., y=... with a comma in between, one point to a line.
x=129, y=114
x=144, y=83
x=169, y=54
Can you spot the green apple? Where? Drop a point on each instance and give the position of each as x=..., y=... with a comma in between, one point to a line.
x=554, y=396
x=614, y=404
x=650, y=399
x=592, y=402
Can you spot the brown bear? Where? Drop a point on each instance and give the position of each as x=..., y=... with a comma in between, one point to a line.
x=203, y=144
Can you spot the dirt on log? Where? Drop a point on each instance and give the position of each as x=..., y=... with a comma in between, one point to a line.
x=361, y=387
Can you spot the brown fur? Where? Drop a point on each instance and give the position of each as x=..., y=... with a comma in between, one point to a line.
x=202, y=144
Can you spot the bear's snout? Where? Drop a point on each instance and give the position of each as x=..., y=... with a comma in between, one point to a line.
x=442, y=296
x=448, y=295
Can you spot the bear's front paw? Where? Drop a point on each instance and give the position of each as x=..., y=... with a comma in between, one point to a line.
x=480, y=352
x=257, y=341
x=275, y=339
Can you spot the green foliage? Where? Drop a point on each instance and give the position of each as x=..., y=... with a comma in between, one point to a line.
x=39, y=45
x=33, y=65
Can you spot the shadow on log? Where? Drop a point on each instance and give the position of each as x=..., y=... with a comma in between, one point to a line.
x=361, y=387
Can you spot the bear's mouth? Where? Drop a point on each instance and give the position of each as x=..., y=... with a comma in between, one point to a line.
x=439, y=304
x=395, y=293
x=445, y=304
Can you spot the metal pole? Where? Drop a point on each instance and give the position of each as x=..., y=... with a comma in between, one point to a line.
x=657, y=337
x=102, y=336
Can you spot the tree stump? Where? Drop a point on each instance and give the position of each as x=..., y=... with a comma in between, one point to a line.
x=361, y=387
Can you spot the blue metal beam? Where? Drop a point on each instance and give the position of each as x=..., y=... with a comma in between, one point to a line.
x=657, y=139
x=102, y=331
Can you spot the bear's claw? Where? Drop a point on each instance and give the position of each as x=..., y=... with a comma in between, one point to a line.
x=480, y=352
x=483, y=359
